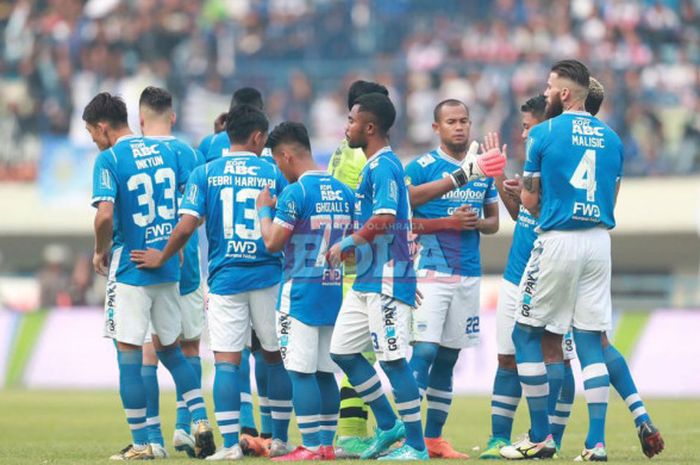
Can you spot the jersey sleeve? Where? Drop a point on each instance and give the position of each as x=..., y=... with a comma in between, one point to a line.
x=491, y=193
x=104, y=179
x=280, y=181
x=289, y=206
x=385, y=189
x=414, y=174
x=533, y=151
x=194, y=201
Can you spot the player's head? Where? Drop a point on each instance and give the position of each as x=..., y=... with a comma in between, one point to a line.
x=361, y=87
x=567, y=85
x=155, y=107
x=451, y=124
x=103, y=115
x=533, y=113
x=291, y=149
x=247, y=127
x=596, y=95
x=247, y=96
x=371, y=117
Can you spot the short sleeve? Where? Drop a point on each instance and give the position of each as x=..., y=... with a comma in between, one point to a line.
x=194, y=200
x=104, y=178
x=491, y=193
x=385, y=188
x=414, y=174
x=533, y=151
x=289, y=206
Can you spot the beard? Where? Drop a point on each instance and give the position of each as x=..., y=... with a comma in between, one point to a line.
x=554, y=107
x=460, y=147
x=357, y=143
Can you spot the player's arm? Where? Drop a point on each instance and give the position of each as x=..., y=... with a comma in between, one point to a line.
x=154, y=258
x=104, y=223
x=509, y=191
x=489, y=223
x=275, y=233
x=530, y=196
x=430, y=190
x=375, y=226
x=462, y=219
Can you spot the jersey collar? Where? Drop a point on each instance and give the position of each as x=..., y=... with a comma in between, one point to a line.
x=447, y=157
x=126, y=137
x=170, y=137
x=226, y=153
x=314, y=173
x=385, y=149
x=576, y=112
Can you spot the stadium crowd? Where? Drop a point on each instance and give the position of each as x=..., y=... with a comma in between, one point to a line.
x=56, y=54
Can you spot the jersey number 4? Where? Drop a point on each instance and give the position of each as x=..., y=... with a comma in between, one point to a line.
x=164, y=176
x=584, y=176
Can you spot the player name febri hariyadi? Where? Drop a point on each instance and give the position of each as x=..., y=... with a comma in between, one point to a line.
x=213, y=181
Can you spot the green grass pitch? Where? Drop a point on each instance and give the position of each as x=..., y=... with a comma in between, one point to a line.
x=69, y=427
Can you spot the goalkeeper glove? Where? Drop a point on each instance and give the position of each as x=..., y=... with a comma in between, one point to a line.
x=475, y=166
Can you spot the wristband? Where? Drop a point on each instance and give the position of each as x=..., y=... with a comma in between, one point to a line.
x=347, y=243
x=266, y=212
x=459, y=177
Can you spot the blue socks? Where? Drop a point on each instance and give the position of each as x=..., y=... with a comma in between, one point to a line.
x=364, y=379
x=133, y=393
x=533, y=377
x=504, y=402
x=227, y=402
x=424, y=354
x=330, y=404
x=279, y=391
x=555, y=377
x=182, y=417
x=621, y=379
x=149, y=373
x=264, y=403
x=247, y=419
x=439, y=392
x=185, y=380
x=407, y=399
x=307, y=406
x=558, y=419
x=596, y=383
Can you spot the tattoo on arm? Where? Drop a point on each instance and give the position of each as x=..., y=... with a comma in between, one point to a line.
x=528, y=182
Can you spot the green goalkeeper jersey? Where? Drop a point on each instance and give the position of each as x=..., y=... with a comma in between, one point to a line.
x=346, y=164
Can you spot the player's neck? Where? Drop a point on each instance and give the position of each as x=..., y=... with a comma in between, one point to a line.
x=576, y=105
x=156, y=129
x=374, y=146
x=457, y=155
x=243, y=148
x=305, y=167
x=117, y=134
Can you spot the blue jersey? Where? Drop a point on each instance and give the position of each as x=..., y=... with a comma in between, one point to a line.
x=451, y=252
x=523, y=239
x=189, y=158
x=224, y=191
x=385, y=266
x=220, y=144
x=206, y=143
x=141, y=177
x=579, y=161
x=318, y=210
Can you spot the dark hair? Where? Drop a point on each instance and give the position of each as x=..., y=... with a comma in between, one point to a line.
x=536, y=106
x=361, y=87
x=243, y=120
x=106, y=107
x=596, y=95
x=450, y=102
x=573, y=70
x=289, y=132
x=157, y=99
x=247, y=96
x=380, y=107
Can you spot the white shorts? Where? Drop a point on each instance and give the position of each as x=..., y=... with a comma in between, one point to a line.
x=304, y=348
x=449, y=313
x=230, y=318
x=370, y=321
x=192, y=306
x=131, y=310
x=567, y=282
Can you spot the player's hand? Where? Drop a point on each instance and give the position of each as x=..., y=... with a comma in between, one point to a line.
x=488, y=164
x=334, y=256
x=265, y=199
x=100, y=262
x=464, y=218
x=149, y=258
x=220, y=122
x=513, y=187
